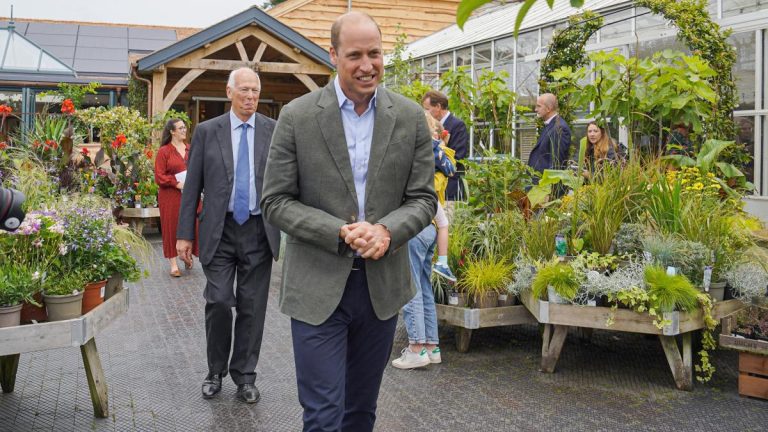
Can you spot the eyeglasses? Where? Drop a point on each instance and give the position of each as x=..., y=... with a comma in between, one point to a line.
x=181, y=128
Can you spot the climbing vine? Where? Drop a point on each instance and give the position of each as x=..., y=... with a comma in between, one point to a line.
x=567, y=49
x=705, y=39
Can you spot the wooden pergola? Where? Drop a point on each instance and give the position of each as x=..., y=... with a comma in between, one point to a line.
x=197, y=67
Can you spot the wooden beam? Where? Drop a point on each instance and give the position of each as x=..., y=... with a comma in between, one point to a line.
x=259, y=52
x=241, y=50
x=97, y=383
x=307, y=81
x=552, y=345
x=179, y=87
x=218, y=45
x=680, y=365
x=280, y=46
x=159, y=79
x=9, y=364
x=271, y=67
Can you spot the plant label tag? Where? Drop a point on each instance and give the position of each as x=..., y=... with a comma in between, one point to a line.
x=591, y=303
x=453, y=299
x=502, y=297
x=707, y=277
x=101, y=292
x=671, y=271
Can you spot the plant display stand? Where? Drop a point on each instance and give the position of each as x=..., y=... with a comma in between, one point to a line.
x=466, y=319
x=59, y=334
x=557, y=318
x=753, y=361
x=137, y=217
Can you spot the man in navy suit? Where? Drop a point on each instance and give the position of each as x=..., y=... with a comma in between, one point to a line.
x=554, y=143
x=437, y=105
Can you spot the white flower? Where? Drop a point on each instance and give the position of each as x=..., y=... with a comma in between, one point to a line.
x=36, y=275
x=63, y=250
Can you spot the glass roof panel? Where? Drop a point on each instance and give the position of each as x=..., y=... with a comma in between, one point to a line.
x=17, y=53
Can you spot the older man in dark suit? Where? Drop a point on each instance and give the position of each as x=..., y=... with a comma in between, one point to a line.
x=350, y=180
x=437, y=104
x=554, y=143
x=226, y=162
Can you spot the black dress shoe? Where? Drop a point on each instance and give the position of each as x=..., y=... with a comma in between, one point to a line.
x=248, y=393
x=211, y=386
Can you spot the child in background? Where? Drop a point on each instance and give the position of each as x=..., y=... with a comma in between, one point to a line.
x=445, y=166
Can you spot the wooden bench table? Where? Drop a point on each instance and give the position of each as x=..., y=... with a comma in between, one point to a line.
x=80, y=331
x=467, y=319
x=137, y=217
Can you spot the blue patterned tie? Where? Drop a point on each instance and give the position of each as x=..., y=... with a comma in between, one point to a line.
x=241, y=206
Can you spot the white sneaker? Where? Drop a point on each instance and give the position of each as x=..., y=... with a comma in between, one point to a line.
x=434, y=355
x=411, y=360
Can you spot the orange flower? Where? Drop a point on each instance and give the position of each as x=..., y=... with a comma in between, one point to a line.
x=5, y=110
x=149, y=154
x=119, y=141
x=3, y=145
x=67, y=107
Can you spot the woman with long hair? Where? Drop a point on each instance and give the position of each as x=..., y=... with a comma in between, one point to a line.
x=597, y=147
x=169, y=166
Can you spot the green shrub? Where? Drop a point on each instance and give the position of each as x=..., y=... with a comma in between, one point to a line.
x=670, y=293
x=562, y=277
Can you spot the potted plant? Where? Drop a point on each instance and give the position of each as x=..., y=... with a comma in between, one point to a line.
x=484, y=278
x=670, y=292
x=63, y=295
x=748, y=281
x=17, y=284
x=556, y=282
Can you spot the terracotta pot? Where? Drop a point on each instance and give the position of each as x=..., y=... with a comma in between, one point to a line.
x=63, y=307
x=94, y=295
x=114, y=285
x=487, y=300
x=30, y=312
x=10, y=316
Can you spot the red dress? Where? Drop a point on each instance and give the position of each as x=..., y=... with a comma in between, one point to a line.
x=168, y=163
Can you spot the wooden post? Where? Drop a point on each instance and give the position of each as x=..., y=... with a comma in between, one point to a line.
x=552, y=344
x=159, y=79
x=9, y=364
x=97, y=384
x=681, y=366
x=463, y=336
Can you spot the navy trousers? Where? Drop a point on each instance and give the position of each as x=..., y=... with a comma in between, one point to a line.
x=340, y=363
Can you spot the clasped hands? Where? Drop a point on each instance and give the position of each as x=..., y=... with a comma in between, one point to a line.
x=369, y=241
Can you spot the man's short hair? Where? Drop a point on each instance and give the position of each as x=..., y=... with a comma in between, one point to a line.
x=336, y=27
x=436, y=98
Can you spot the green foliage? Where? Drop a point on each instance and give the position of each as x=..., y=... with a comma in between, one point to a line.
x=705, y=38
x=74, y=92
x=118, y=260
x=486, y=274
x=629, y=239
x=35, y=183
x=496, y=182
x=567, y=49
x=708, y=161
x=539, y=237
x=18, y=283
x=71, y=282
x=670, y=293
x=466, y=7
x=399, y=77
x=561, y=277
x=604, y=207
x=137, y=96
x=645, y=95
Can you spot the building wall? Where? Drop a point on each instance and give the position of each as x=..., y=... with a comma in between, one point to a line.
x=417, y=18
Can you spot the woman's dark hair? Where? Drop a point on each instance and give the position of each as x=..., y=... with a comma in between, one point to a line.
x=170, y=126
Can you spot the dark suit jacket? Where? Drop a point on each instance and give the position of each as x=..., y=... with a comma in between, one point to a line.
x=309, y=193
x=553, y=146
x=458, y=141
x=211, y=170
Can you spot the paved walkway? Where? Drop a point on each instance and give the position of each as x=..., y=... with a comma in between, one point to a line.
x=154, y=363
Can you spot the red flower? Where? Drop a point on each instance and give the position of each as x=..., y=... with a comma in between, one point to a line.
x=50, y=144
x=3, y=145
x=36, y=144
x=149, y=154
x=67, y=107
x=445, y=133
x=85, y=151
x=119, y=141
x=5, y=110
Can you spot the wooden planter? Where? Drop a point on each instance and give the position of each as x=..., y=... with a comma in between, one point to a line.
x=467, y=319
x=559, y=317
x=753, y=361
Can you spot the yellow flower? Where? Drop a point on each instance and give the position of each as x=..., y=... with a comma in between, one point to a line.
x=698, y=186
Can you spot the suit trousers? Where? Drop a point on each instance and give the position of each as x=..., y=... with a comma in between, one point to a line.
x=340, y=363
x=243, y=253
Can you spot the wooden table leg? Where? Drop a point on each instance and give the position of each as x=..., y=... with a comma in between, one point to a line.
x=681, y=365
x=97, y=384
x=9, y=364
x=553, y=340
x=463, y=336
x=139, y=226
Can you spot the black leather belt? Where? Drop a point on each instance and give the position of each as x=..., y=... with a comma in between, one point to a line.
x=232, y=215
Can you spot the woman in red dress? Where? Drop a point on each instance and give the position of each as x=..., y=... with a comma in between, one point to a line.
x=170, y=161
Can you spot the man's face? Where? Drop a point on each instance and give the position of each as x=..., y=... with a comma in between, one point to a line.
x=245, y=94
x=435, y=111
x=542, y=110
x=359, y=60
